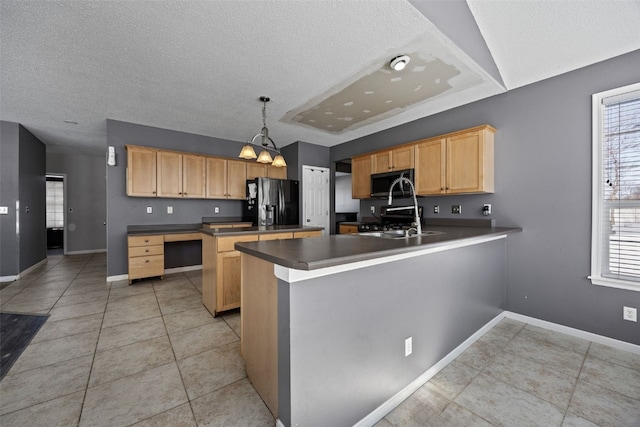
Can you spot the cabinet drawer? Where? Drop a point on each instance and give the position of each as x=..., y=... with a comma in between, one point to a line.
x=300, y=234
x=146, y=240
x=226, y=243
x=136, y=251
x=276, y=236
x=146, y=266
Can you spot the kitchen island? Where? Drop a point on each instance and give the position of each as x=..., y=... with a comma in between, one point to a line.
x=326, y=322
x=221, y=263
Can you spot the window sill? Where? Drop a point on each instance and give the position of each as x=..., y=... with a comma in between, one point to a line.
x=615, y=283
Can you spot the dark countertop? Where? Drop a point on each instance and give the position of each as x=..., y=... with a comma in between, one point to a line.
x=257, y=230
x=149, y=230
x=329, y=251
x=133, y=230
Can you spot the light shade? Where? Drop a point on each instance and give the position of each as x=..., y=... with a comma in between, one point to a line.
x=399, y=62
x=279, y=162
x=264, y=157
x=247, y=152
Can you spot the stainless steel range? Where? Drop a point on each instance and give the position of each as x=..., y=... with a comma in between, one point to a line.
x=392, y=218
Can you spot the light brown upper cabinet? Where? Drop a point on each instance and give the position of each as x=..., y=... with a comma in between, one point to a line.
x=141, y=172
x=456, y=163
x=394, y=159
x=194, y=172
x=279, y=173
x=255, y=170
x=169, y=166
x=431, y=163
x=361, y=177
x=180, y=175
x=226, y=179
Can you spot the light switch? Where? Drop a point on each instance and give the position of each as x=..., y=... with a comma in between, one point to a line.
x=4, y=210
x=149, y=209
x=169, y=210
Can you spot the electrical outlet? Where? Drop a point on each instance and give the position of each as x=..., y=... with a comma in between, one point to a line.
x=436, y=209
x=456, y=209
x=4, y=210
x=630, y=314
x=169, y=210
x=149, y=209
x=216, y=210
x=486, y=209
x=408, y=346
x=373, y=209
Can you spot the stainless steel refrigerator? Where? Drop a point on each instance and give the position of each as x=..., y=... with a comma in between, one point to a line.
x=271, y=202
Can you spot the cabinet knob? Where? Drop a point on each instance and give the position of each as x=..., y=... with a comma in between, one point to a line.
x=146, y=241
x=185, y=194
x=146, y=250
x=146, y=260
x=153, y=192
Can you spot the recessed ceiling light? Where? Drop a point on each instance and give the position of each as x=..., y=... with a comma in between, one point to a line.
x=399, y=62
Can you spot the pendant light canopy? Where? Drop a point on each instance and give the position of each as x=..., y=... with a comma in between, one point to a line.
x=248, y=152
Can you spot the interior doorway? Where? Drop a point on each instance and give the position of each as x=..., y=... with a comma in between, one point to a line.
x=315, y=196
x=56, y=198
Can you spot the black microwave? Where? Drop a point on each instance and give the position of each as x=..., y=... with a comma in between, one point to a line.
x=381, y=183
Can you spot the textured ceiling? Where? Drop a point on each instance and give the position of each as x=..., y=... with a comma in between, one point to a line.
x=200, y=66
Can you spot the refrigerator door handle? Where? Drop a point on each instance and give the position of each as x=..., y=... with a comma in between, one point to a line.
x=281, y=207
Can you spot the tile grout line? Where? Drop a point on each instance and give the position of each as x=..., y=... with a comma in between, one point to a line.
x=575, y=384
x=93, y=359
x=175, y=359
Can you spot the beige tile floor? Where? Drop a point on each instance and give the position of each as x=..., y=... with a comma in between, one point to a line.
x=151, y=355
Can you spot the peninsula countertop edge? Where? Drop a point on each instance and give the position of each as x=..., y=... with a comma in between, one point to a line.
x=340, y=249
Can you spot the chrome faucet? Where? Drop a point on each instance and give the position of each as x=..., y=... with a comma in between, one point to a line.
x=415, y=200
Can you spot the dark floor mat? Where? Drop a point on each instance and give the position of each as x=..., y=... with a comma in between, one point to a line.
x=16, y=331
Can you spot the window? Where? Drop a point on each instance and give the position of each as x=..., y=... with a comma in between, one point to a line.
x=55, y=202
x=615, y=235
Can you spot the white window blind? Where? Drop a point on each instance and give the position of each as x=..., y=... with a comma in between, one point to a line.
x=617, y=189
x=55, y=204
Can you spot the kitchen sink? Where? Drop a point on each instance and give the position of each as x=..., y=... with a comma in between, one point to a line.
x=399, y=234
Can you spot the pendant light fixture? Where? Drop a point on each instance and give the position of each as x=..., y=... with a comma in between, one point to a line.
x=248, y=152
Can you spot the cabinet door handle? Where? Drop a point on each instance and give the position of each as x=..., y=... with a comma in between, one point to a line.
x=185, y=194
x=146, y=241
x=153, y=192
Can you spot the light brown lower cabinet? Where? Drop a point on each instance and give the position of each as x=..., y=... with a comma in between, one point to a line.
x=259, y=324
x=146, y=256
x=347, y=229
x=221, y=267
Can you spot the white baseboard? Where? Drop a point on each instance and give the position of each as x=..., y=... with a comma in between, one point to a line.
x=382, y=410
x=611, y=342
x=166, y=271
x=28, y=270
x=88, y=251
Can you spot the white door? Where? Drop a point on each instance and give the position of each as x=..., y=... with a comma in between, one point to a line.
x=315, y=197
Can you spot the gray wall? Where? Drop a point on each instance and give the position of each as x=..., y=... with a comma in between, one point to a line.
x=9, y=243
x=33, y=198
x=22, y=170
x=123, y=210
x=86, y=187
x=332, y=375
x=543, y=184
x=301, y=154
